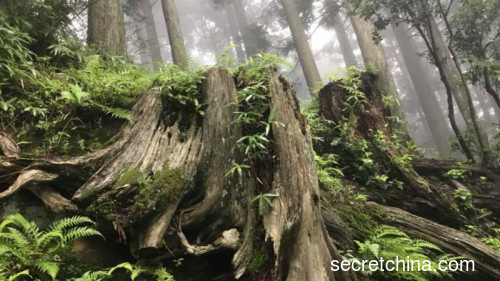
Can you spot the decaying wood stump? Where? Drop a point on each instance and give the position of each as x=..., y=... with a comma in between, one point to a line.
x=215, y=208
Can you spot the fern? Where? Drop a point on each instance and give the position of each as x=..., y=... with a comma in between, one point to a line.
x=159, y=274
x=26, y=250
x=390, y=243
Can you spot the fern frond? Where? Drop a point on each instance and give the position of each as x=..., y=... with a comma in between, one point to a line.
x=46, y=238
x=16, y=238
x=30, y=229
x=51, y=268
x=422, y=244
x=21, y=274
x=163, y=275
x=70, y=222
x=385, y=231
x=80, y=232
x=93, y=276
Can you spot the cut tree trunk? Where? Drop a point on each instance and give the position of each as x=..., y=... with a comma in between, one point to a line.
x=216, y=210
x=418, y=195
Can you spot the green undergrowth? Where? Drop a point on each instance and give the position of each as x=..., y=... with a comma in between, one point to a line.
x=391, y=244
x=70, y=99
x=29, y=253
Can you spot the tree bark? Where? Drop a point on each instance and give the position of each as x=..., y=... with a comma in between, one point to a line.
x=175, y=37
x=301, y=42
x=425, y=91
x=374, y=57
x=106, y=29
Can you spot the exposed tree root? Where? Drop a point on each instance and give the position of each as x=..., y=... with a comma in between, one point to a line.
x=52, y=200
x=26, y=177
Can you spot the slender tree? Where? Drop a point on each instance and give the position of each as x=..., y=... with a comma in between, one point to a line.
x=106, y=29
x=301, y=42
x=244, y=27
x=374, y=57
x=175, y=37
x=333, y=20
x=152, y=35
x=454, y=80
x=425, y=91
x=235, y=33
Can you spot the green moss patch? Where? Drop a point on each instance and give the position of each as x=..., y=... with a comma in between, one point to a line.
x=166, y=187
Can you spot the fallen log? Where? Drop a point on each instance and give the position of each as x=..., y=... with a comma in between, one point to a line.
x=448, y=239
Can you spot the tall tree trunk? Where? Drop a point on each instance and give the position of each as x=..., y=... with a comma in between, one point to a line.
x=409, y=98
x=301, y=42
x=144, y=55
x=343, y=39
x=425, y=91
x=175, y=37
x=106, y=29
x=243, y=25
x=152, y=35
x=374, y=56
x=233, y=28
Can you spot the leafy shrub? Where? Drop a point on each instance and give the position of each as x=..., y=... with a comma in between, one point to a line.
x=26, y=250
x=44, y=21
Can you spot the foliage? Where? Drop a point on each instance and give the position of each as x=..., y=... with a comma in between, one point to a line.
x=44, y=21
x=328, y=173
x=180, y=87
x=464, y=198
x=133, y=272
x=476, y=31
x=493, y=240
x=55, y=104
x=388, y=243
x=456, y=173
x=261, y=199
x=25, y=249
